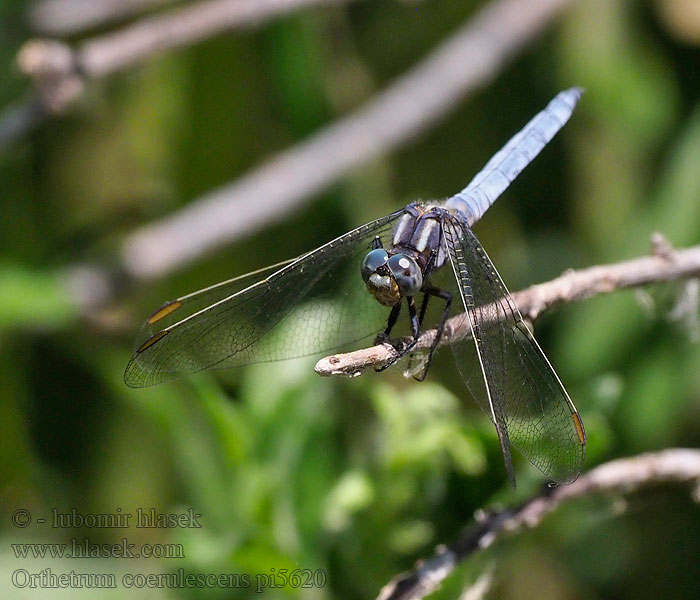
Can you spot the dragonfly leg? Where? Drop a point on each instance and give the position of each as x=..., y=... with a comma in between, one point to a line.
x=423, y=308
x=447, y=297
x=427, y=288
x=428, y=291
x=391, y=321
x=401, y=348
x=415, y=323
x=377, y=243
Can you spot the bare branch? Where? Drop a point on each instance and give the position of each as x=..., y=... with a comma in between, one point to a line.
x=622, y=476
x=179, y=27
x=183, y=26
x=572, y=286
x=460, y=65
x=68, y=17
x=60, y=73
x=53, y=68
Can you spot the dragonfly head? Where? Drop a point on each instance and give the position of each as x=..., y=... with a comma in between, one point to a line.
x=390, y=278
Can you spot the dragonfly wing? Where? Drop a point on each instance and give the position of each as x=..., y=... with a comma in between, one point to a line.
x=313, y=304
x=179, y=309
x=505, y=368
x=504, y=166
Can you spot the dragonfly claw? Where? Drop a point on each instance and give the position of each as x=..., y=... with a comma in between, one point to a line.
x=400, y=347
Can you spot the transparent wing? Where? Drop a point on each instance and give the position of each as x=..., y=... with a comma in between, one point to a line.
x=505, y=368
x=313, y=304
x=504, y=166
x=177, y=310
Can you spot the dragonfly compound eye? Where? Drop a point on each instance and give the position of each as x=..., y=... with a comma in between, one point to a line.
x=375, y=259
x=407, y=274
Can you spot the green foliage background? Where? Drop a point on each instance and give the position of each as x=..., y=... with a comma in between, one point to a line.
x=358, y=478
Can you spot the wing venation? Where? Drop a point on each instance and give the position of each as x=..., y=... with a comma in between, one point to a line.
x=514, y=383
x=309, y=305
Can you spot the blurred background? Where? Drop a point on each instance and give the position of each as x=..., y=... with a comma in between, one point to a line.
x=354, y=479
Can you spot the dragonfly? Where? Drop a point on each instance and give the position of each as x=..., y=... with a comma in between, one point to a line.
x=424, y=256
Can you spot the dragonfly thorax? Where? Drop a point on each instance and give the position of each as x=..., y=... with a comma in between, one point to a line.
x=419, y=234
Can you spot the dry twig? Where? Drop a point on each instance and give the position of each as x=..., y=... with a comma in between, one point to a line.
x=622, y=476
x=177, y=28
x=68, y=17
